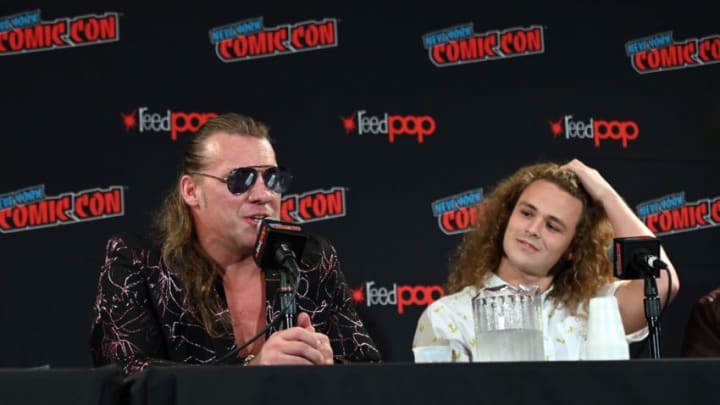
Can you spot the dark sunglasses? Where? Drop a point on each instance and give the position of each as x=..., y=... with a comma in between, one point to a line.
x=241, y=179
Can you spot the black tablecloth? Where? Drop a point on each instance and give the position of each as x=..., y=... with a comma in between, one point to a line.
x=609, y=383
x=61, y=386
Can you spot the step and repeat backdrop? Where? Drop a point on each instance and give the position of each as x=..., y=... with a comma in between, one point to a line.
x=395, y=119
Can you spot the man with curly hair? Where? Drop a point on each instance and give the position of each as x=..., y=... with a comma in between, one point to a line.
x=546, y=225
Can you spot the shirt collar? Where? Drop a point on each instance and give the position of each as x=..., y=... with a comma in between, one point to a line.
x=493, y=280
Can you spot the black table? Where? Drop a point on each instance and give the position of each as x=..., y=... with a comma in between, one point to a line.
x=636, y=382
x=61, y=386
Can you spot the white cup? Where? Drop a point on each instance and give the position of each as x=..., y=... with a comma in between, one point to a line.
x=606, y=334
x=432, y=354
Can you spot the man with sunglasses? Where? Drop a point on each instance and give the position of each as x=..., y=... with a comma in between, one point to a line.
x=198, y=297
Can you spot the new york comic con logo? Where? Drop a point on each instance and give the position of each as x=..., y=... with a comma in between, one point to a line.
x=458, y=213
x=597, y=130
x=315, y=205
x=29, y=208
x=27, y=32
x=672, y=214
x=172, y=122
x=398, y=296
x=659, y=52
x=460, y=44
x=250, y=39
x=391, y=125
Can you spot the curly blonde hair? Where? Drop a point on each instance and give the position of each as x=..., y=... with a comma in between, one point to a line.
x=481, y=249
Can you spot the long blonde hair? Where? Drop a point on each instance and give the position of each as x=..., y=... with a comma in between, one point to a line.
x=481, y=249
x=175, y=228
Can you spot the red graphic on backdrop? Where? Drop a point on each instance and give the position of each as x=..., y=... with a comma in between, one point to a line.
x=659, y=52
x=174, y=122
x=459, y=45
x=392, y=125
x=27, y=32
x=129, y=120
x=316, y=205
x=556, y=128
x=398, y=296
x=349, y=123
x=30, y=208
x=672, y=214
x=597, y=130
x=358, y=295
x=249, y=39
x=460, y=220
x=459, y=213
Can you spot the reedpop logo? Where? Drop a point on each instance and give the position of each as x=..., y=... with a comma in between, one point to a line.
x=391, y=125
x=173, y=122
x=399, y=296
x=597, y=130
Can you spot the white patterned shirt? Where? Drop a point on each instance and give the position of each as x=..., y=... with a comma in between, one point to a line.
x=449, y=320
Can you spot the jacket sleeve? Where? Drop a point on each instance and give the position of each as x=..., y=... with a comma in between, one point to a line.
x=702, y=335
x=348, y=336
x=124, y=328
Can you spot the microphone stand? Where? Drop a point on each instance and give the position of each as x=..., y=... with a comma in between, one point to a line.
x=288, y=282
x=652, y=313
x=287, y=299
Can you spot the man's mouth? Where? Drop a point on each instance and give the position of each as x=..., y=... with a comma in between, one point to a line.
x=528, y=245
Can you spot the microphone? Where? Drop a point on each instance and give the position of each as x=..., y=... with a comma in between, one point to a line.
x=637, y=257
x=650, y=261
x=277, y=242
x=278, y=246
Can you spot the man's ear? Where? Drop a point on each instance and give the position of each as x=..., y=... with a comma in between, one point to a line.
x=189, y=191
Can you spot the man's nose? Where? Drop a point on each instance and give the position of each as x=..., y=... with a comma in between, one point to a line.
x=535, y=226
x=259, y=192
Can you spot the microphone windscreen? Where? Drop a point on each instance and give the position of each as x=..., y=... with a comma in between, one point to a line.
x=271, y=234
x=626, y=251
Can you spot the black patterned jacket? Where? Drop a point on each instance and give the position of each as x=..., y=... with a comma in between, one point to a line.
x=139, y=319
